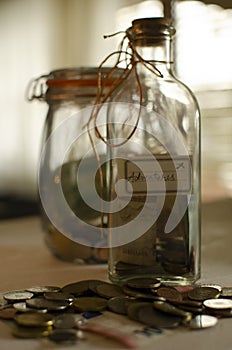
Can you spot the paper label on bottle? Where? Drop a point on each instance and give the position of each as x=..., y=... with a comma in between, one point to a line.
x=151, y=176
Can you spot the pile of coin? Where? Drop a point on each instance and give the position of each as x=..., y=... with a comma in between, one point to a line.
x=62, y=313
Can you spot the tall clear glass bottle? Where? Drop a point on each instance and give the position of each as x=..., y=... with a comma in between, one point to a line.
x=154, y=147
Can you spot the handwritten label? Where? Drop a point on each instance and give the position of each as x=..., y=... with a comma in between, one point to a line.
x=162, y=175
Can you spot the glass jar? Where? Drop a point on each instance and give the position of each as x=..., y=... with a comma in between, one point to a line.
x=154, y=172
x=70, y=95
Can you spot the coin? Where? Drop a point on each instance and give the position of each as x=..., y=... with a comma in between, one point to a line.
x=226, y=292
x=83, y=304
x=65, y=321
x=51, y=305
x=17, y=295
x=138, y=294
x=203, y=293
x=155, y=318
x=143, y=283
x=218, y=303
x=63, y=336
x=43, y=289
x=118, y=305
x=3, y=303
x=22, y=307
x=133, y=309
x=94, y=283
x=107, y=290
x=76, y=288
x=221, y=312
x=202, y=321
x=169, y=293
x=212, y=285
x=60, y=296
x=172, y=310
x=7, y=314
x=30, y=333
x=34, y=319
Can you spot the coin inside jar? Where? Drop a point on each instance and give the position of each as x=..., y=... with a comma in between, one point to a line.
x=143, y=283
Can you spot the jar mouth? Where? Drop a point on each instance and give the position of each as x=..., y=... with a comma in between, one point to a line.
x=150, y=29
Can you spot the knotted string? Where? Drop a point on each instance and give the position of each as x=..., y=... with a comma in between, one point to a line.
x=130, y=57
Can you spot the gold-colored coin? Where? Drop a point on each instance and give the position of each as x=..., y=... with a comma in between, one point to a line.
x=63, y=336
x=30, y=333
x=77, y=288
x=8, y=313
x=107, y=290
x=203, y=293
x=83, y=304
x=172, y=310
x=34, y=319
x=149, y=316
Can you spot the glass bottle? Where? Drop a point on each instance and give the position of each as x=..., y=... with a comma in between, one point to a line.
x=154, y=171
x=70, y=95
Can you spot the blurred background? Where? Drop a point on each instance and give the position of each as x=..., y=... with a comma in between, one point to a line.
x=39, y=36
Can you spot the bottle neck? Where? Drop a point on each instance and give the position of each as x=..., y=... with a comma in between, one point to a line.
x=159, y=52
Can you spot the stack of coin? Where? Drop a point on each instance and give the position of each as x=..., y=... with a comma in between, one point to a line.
x=55, y=312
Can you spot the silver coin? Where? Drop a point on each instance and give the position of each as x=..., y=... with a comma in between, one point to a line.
x=43, y=289
x=22, y=307
x=155, y=318
x=218, y=303
x=18, y=295
x=203, y=321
